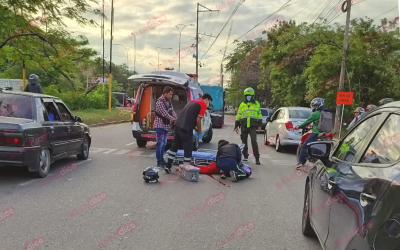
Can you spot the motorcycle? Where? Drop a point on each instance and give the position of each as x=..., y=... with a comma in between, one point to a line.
x=307, y=131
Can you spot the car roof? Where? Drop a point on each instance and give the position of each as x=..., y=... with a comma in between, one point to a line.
x=28, y=94
x=391, y=105
x=298, y=108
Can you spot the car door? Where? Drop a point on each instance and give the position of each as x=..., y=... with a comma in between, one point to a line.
x=369, y=216
x=272, y=125
x=57, y=130
x=337, y=184
x=75, y=131
x=280, y=123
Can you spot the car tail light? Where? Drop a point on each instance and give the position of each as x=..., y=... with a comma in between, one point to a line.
x=11, y=140
x=289, y=126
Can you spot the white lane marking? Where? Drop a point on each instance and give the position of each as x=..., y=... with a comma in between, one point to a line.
x=37, y=180
x=109, y=151
x=121, y=152
x=97, y=150
x=130, y=143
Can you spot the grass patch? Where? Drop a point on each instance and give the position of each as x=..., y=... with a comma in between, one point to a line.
x=95, y=116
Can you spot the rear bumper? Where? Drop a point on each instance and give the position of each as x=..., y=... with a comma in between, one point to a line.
x=18, y=156
x=290, y=139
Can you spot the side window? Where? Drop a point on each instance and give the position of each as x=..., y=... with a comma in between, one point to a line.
x=45, y=115
x=353, y=141
x=281, y=114
x=52, y=111
x=274, y=117
x=65, y=115
x=385, y=147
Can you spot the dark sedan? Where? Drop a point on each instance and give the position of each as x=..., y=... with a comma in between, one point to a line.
x=37, y=129
x=352, y=191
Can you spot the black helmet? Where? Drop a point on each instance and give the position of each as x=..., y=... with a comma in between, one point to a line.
x=316, y=103
x=385, y=101
x=150, y=174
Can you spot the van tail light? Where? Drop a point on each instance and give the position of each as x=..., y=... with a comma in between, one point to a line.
x=11, y=140
x=289, y=126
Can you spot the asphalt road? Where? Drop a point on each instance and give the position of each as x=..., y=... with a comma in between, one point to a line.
x=159, y=214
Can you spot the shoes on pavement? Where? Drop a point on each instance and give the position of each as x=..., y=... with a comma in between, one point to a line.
x=233, y=175
x=299, y=166
x=161, y=166
x=223, y=176
x=258, y=160
x=168, y=168
x=246, y=159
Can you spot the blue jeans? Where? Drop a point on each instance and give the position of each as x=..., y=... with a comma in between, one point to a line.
x=227, y=164
x=303, y=151
x=161, y=139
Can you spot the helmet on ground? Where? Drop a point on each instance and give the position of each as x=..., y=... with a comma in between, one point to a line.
x=371, y=107
x=248, y=91
x=317, y=103
x=359, y=110
x=385, y=101
x=150, y=174
x=247, y=170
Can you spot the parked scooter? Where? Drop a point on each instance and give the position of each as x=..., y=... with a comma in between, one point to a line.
x=307, y=131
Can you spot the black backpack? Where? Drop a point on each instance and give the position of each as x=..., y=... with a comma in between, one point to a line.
x=325, y=124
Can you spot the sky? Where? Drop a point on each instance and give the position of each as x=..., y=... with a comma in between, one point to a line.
x=133, y=15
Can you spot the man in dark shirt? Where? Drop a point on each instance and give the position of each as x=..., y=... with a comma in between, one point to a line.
x=229, y=157
x=189, y=119
x=33, y=86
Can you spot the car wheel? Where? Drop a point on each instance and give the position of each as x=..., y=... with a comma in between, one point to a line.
x=42, y=163
x=266, y=142
x=141, y=143
x=195, y=143
x=84, y=152
x=278, y=146
x=306, y=227
x=208, y=138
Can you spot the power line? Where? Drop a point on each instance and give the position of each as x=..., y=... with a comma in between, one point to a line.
x=230, y=17
x=303, y=9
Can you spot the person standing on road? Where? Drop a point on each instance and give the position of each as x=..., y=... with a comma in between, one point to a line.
x=33, y=86
x=249, y=118
x=189, y=119
x=317, y=105
x=165, y=117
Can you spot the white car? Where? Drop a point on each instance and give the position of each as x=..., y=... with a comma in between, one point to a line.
x=280, y=126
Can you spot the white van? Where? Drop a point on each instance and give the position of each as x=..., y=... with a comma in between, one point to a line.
x=186, y=88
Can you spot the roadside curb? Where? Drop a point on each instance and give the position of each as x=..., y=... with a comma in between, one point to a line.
x=111, y=123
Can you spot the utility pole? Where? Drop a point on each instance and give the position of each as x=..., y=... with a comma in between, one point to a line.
x=343, y=68
x=197, y=36
x=110, y=80
x=134, y=60
x=223, y=57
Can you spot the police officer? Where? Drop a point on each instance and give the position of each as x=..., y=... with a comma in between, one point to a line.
x=249, y=118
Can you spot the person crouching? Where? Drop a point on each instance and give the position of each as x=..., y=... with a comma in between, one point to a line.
x=229, y=157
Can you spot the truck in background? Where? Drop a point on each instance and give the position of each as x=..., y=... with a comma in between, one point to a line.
x=218, y=104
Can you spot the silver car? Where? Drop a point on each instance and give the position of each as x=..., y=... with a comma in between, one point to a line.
x=280, y=126
x=266, y=113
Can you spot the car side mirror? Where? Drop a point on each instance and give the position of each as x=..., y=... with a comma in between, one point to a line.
x=319, y=150
x=78, y=119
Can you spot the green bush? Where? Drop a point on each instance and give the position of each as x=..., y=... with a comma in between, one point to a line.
x=77, y=100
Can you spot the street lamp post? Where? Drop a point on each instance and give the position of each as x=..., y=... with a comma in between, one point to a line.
x=180, y=33
x=127, y=50
x=158, y=62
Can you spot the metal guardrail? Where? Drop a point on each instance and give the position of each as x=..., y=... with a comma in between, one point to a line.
x=15, y=84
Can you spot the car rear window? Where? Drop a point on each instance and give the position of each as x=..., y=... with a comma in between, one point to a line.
x=17, y=106
x=300, y=114
x=264, y=112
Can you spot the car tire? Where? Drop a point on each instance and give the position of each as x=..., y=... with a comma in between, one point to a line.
x=195, y=143
x=84, y=151
x=306, y=227
x=141, y=143
x=278, y=146
x=208, y=138
x=42, y=163
x=266, y=142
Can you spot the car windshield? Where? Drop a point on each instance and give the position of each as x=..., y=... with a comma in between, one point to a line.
x=301, y=114
x=17, y=106
x=264, y=112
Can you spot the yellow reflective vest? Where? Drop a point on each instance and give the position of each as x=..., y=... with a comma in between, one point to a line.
x=249, y=114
